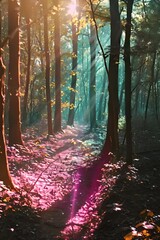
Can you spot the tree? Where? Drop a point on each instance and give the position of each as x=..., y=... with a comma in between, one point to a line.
x=152, y=82
x=0, y=25
x=102, y=99
x=14, y=74
x=26, y=8
x=112, y=141
x=146, y=49
x=4, y=169
x=74, y=74
x=47, y=73
x=128, y=73
x=92, y=85
x=57, y=113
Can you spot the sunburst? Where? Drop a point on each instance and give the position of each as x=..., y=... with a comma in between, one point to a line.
x=72, y=8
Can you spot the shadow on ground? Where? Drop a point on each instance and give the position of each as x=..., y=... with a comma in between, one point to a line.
x=136, y=190
x=86, y=182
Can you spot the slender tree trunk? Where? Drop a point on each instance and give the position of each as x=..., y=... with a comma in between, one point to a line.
x=25, y=104
x=47, y=74
x=0, y=25
x=57, y=113
x=14, y=74
x=41, y=47
x=150, y=84
x=92, y=85
x=128, y=90
x=4, y=169
x=121, y=97
x=74, y=75
x=102, y=96
x=112, y=141
x=156, y=96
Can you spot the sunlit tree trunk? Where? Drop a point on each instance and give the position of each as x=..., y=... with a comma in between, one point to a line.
x=4, y=169
x=57, y=113
x=92, y=85
x=28, y=71
x=47, y=73
x=74, y=75
x=112, y=141
x=128, y=75
x=14, y=74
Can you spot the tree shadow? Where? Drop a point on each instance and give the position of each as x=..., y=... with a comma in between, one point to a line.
x=19, y=223
x=135, y=190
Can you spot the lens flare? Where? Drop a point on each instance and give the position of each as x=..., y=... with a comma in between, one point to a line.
x=72, y=8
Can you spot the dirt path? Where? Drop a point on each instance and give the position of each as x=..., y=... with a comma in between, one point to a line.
x=61, y=176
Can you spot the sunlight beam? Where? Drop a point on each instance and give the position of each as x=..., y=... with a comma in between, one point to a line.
x=72, y=8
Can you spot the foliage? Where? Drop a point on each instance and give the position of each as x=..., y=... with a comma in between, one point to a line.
x=147, y=229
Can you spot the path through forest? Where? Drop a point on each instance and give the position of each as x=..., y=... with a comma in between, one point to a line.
x=65, y=195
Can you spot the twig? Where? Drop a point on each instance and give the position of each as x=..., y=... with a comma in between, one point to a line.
x=98, y=39
x=33, y=185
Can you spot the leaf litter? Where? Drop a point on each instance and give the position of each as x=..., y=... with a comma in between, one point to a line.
x=45, y=172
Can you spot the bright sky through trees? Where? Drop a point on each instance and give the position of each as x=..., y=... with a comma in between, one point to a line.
x=71, y=9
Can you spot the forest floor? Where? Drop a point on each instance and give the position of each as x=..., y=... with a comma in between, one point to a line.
x=66, y=192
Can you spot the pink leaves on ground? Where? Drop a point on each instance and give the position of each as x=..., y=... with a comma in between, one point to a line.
x=44, y=167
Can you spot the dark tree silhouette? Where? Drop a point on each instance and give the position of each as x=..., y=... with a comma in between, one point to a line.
x=112, y=141
x=128, y=74
x=57, y=114
x=14, y=73
x=47, y=74
x=4, y=169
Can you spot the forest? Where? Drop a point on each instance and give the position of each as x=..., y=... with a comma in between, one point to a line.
x=79, y=119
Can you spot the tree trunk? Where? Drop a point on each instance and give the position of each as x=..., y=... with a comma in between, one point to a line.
x=57, y=113
x=0, y=25
x=150, y=84
x=128, y=76
x=92, y=85
x=74, y=75
x=47, y=73
x=14, y=74
x=112, y=141
x=4, y=169
x=25, y=105
x=102, y=96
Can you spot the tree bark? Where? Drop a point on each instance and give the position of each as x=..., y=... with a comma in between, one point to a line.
x=47, y=73
x=14, y=74
x=112, y=142
x=25, y=104
x=128, y=90
x=74, y=75
x=92, y=85
x=151, y=83
x=4, y=169
x=0, y=25
x=57, y=113
x=102, y=101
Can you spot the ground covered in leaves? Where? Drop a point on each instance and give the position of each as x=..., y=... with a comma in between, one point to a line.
x=66, y=192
